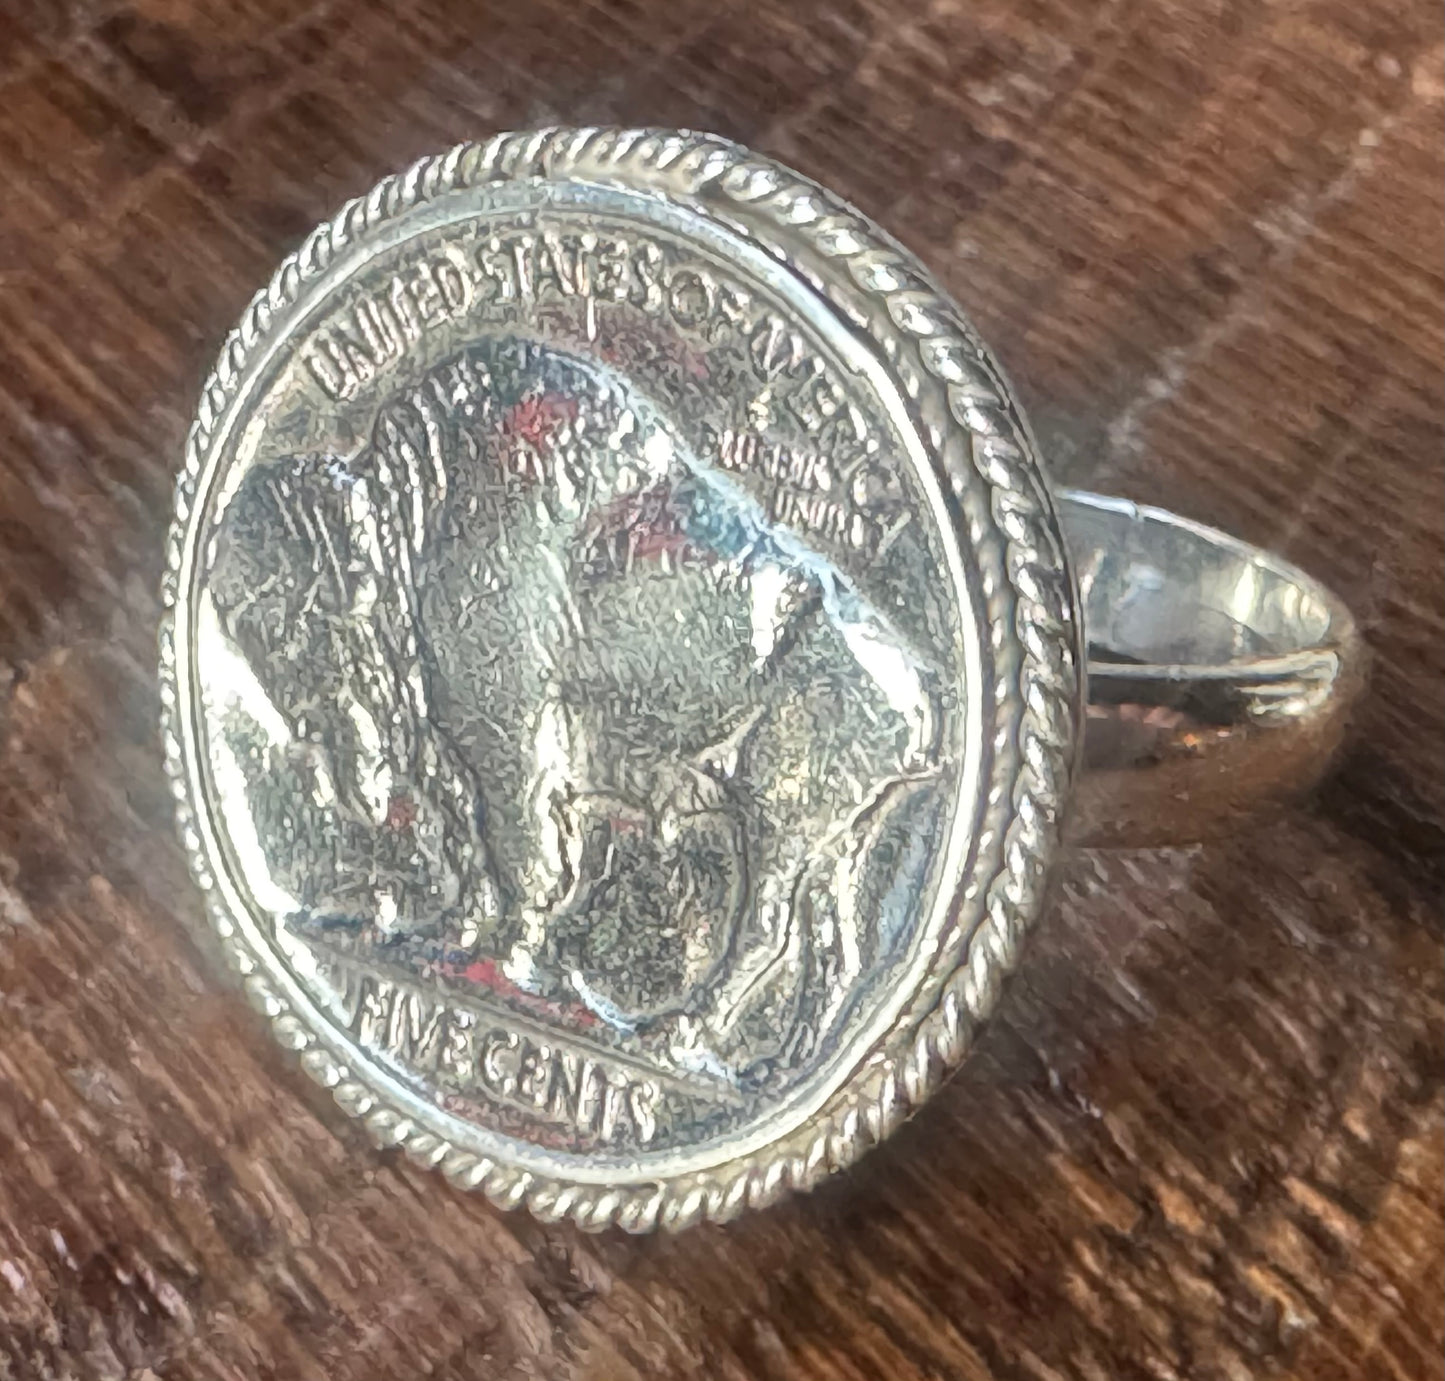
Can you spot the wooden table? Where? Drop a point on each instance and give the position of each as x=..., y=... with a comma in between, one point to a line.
x=1203, y=1138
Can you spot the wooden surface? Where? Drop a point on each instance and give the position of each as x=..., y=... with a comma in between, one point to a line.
x=1202, y=1140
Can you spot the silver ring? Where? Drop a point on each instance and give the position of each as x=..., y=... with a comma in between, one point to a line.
x=625, y=679
x=1220, y=676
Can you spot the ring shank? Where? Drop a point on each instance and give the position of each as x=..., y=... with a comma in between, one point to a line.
x=1220, y=677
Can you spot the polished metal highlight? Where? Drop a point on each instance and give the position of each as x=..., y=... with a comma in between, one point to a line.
x=1221, y=677
x=623, y=674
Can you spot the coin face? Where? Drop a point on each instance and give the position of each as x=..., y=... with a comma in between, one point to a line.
x=598, y=683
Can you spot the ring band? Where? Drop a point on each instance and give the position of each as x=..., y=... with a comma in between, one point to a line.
x=1221, y=677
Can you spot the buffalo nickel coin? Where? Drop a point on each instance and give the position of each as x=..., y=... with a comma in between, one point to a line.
x=619, y=669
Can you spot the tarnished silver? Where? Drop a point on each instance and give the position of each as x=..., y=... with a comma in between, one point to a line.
x=623, y=676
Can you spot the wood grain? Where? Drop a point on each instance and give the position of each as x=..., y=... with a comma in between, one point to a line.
x=1203, y=1138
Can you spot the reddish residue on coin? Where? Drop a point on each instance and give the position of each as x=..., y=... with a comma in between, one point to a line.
x=535, y=419
x=644, y=526
x=400, y=812
x=486, y=974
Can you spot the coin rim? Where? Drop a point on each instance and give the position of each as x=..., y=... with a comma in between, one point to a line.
x=980, y=446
